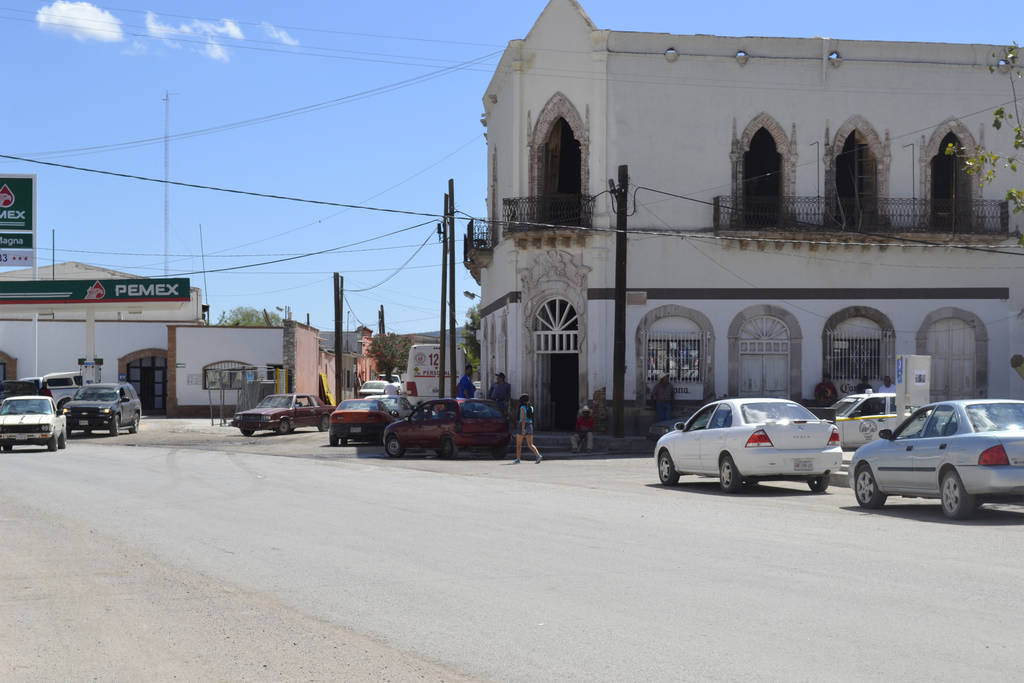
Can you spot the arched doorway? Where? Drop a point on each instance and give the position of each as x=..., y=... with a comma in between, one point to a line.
x=856, y=181
x=556, y=342
x=762, y=181
x=149, y=376
x=951, y=344
x=951, y=186
x=562, y=179
x=764, y=357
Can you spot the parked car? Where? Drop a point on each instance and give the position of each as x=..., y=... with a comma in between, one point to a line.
x=18, y=387
x=31, y=420
x=60, y=385
x=861, y=416
x=283, y=413
x=360, y=418
x=965, y=453
x=104, y=406
x=746, y=440
x=449, y=426
x=374, y=387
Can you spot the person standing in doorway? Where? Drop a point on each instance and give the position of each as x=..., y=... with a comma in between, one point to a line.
x=500, y=392
x=525, y=430
x=466, y=388
x=663, y=393
x=886, y=387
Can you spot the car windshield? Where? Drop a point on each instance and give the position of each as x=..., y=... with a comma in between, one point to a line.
x=996, y=417
x=275, y=402
x=34, y=406
x=844, y=405
x=358, y=405
x=96, y=394
x=775, y=412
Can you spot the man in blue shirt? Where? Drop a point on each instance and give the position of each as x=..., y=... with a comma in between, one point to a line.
x=466, y=388
x=500, y=392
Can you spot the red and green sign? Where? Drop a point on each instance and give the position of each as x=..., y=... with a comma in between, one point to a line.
x=167, y=290
x=17, y=199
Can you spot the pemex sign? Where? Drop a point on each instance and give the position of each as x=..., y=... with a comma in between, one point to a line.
x=17, y=220
x=91, y=292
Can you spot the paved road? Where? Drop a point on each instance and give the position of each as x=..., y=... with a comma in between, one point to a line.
x=129, y=562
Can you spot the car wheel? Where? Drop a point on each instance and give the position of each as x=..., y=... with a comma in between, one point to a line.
x=956, y=502
x=333, y=440
x=393, y=447
x=325, y=423
x=133, y=426
x=115, y=425
x=498, y=452
x=7, y=449
x=729, y=478
x=866, y=490
x=284, y=426
x=62, y=440
x=667, y=469
x=247, y=432
x=819, y=484
x=449, y=451
x=51, y=443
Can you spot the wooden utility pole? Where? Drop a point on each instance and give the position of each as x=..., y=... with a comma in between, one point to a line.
x=442, y=230
x=339, y=297
x=451, y=284
x=619, y=353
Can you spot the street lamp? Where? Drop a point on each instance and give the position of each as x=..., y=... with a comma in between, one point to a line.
x=470, y=295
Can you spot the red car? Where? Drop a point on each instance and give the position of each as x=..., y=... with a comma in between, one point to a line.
x=448, y=425
x=283, y=413
x=361, y=418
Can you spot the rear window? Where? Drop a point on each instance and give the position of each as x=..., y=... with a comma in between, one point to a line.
x=60, y=382
x=358, y=405
x=474, y=409
x=16, y=387
x=996, y=417
x=764, y=412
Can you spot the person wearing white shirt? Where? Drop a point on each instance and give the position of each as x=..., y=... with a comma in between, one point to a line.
x=887, y=386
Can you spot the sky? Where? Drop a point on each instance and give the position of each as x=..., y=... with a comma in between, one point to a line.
x=369, y=105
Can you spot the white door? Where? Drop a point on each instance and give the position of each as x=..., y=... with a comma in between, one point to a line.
x=951, y=346
x=764, y=358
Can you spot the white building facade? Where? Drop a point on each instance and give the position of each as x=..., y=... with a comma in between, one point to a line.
x=792, y=211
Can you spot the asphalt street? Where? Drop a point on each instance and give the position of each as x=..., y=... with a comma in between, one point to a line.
x=190, y=552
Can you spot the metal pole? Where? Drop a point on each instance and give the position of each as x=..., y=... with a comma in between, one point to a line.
x=619, y=354
x=442, y=365
x=451, y=283
x=817, y=168
x=913, y=183
x=339, y=295
x=167, y=147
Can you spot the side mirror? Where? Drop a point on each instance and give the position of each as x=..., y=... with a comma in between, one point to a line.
x=885, y=434
x=394, y=412
x=679, y=426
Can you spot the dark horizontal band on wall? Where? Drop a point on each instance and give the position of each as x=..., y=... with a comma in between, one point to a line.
x=499, y=303
x=857, y=293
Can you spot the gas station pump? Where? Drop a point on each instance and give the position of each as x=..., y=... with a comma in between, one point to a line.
x=913, y=382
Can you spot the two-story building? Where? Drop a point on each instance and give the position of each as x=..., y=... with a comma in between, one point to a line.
x=795, y=207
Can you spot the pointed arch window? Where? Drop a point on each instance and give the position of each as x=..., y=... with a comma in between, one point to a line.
x=762, y=181
x=951, y=186
x=856, y=181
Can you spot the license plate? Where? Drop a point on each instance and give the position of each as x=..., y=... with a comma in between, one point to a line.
x=83, y=422
x=355, y=429
x=23, y=437
x=803, y=465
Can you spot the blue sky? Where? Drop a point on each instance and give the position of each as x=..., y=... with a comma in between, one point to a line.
x=373, y=104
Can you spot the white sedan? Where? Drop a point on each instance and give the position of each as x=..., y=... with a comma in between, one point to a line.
x=746, y=440
x=31, y=420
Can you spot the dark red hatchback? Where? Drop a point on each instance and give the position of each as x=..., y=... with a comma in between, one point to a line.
x=449, y=425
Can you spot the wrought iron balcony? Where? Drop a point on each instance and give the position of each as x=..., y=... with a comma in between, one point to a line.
x=478, y=238
x=895, y=215
x=524, y=214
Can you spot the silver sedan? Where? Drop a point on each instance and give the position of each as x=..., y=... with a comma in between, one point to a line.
x=965, y=453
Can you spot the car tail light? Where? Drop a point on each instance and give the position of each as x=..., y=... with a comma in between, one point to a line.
x=45, y=391
x=759, y=439
x=994, y=456
x=410, y=388
x=833, y=438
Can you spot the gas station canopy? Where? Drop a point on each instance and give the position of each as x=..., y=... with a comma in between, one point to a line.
x=33, y=295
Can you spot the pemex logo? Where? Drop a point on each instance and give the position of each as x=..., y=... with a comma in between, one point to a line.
x=95, y=292
x=6, y=197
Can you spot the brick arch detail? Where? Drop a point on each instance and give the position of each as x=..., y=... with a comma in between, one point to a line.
x=558, y=107
x=931, y=148
x=12, y=365
x=123, y=361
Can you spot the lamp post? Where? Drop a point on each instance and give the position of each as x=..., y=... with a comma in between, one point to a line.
x=913, y=188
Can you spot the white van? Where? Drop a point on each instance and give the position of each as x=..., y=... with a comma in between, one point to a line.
x=423, y=368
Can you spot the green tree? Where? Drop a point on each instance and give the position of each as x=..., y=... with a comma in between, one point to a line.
x=389, y=352
x=247, y=316
x=470, y=337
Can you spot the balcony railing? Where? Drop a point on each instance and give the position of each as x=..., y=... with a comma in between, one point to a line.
x=523, y=214
x=478, y=238
x=820, y=214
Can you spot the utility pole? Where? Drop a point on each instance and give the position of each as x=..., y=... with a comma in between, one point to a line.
x=167, y=185
x=442, y=231
x=339, y=332
x=621, y=195
x=380, y=320
x=451, y=282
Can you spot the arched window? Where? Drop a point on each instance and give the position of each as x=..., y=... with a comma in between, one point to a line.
x=856, y=181
x=556, y=328
x=951, y=186
x=676, y=347
x=762, y=181
x=764, y=357
x=856, y=346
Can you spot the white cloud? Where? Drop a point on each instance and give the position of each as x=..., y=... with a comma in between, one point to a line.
x=279, y=34
x=82, y=20
x=206, y=32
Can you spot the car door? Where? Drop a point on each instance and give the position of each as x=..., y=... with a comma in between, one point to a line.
x=932, y=448
x=414, y=431
x=865, y=422
x=685, y=447
x=892, y=462
x=712, y=439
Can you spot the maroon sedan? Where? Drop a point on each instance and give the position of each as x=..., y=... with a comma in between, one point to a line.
x=449, y=425
x=282, y=413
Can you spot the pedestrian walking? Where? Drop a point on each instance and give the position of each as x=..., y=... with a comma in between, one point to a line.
x=525, y=431
x=500, y=392
x=663, y=393
x=466, y=388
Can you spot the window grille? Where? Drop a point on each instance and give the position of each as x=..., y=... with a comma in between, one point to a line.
x=227, y=375
x=556, y=328
x=851, y=357
x=678, y=355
